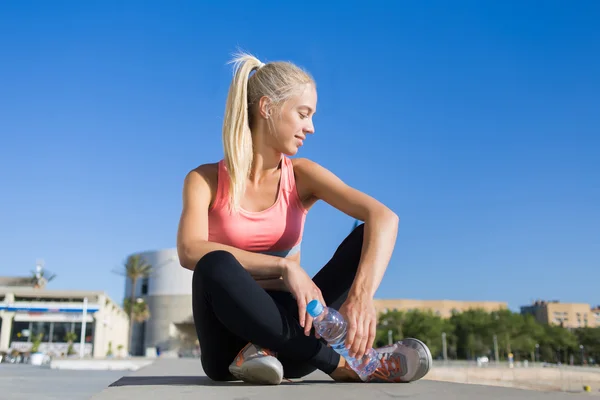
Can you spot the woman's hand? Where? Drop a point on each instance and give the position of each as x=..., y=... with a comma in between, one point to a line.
x=359, y=312
x=304, y=291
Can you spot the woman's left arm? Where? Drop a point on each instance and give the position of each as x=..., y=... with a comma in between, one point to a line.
x=380, y=231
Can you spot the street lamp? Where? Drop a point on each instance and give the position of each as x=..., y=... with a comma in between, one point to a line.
x=537, y=352
x=444, y=347
x=582, y=354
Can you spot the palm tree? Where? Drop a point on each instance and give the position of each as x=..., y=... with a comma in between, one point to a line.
x=141, y=311
x=135, y=268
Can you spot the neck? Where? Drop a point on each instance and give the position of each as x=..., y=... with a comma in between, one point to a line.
x=265, y=160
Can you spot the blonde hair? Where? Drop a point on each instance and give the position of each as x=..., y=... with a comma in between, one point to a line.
x=278, y=81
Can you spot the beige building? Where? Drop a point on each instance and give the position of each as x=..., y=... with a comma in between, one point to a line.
x=569, y=315
x=443, y=308
x=26, y=312
x=596, y=315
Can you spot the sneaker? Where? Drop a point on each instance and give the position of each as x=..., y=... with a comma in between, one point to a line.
x=254, y=364
x=407, y=360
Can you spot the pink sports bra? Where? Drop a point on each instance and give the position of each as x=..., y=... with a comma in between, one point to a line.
x=276, y=231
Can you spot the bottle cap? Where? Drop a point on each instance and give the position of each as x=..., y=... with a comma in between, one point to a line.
x=314, y=308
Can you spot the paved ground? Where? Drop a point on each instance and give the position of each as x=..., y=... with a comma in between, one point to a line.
x=27, y=382
x=183, y=379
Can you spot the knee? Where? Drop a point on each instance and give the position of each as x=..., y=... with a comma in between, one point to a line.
x=214, y=265
x=213, y=261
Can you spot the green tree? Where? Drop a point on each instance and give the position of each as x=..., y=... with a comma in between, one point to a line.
x=389, y=321
x=36, y=342
x=135, y=268
x=474, y=333
x=424, y=325
x=589, y=338
x=141, y=311
x=70, y=337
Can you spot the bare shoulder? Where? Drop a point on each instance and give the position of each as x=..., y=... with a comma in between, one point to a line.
x=205, y=174
x=200, y=184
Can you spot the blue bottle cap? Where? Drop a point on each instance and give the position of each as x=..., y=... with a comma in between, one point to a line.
x=314, y=308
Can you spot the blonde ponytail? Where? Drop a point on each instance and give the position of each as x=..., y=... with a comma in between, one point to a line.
x=237, y=139
x=278, y=81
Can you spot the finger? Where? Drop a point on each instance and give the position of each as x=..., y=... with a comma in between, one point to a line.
x=365, y=342
x=308, y=325
x=350, y=335
x=361, y=339
x=358, y=338
x=301, y=311
x=322, y=300
x=372, y=334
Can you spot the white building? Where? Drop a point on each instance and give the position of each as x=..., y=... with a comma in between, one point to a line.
x=168, y=293
x=26, y=312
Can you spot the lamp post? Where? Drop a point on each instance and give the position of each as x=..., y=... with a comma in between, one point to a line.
x=582, y=354
x=444, y=347
x=496, y=353
x=83, y=321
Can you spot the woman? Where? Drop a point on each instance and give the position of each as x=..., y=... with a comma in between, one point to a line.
x=241, y=230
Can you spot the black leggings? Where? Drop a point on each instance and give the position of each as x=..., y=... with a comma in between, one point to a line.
x=231, y=309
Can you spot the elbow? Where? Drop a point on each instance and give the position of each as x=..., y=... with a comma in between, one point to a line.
x=185, y=253
x=386, y=216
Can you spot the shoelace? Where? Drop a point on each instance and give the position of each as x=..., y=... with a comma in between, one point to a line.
x=388, y=363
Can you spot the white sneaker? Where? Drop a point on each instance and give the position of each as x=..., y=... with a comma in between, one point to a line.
x=254, y=364
x=407, y=360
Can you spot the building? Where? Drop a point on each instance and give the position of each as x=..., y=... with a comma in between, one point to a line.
x=168, y=294
x=569, y=315
x=443, y=308
x=26, y=311
x=596, y=315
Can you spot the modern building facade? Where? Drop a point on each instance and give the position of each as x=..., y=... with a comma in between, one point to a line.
x=569, y=315
x=442, y=308
x=25, y=312
x=168, y=294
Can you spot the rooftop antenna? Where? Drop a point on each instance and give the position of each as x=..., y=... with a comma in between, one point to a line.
x=39, y=268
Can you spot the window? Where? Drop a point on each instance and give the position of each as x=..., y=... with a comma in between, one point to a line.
x=42, y=327
x=89, y=329
x=20, y=332
x=145, y=286
x=60, y=330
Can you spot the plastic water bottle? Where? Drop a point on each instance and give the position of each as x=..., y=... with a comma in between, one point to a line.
x=332, y=327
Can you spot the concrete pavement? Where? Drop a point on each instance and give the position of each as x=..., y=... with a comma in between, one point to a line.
x=28, y=382
x=184, y=379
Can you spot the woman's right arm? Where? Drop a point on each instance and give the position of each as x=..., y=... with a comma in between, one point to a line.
x=192, y=234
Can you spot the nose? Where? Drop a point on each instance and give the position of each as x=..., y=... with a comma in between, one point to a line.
x=309, y=128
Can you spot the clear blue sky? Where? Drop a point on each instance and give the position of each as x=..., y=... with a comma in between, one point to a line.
x=478, y=124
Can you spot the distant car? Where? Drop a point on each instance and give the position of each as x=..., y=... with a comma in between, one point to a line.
x=482, y=360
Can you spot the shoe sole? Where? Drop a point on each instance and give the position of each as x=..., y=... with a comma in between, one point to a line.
x=426, y=361
x=263, y=371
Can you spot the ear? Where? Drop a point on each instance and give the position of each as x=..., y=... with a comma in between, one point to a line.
x=265, y=107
